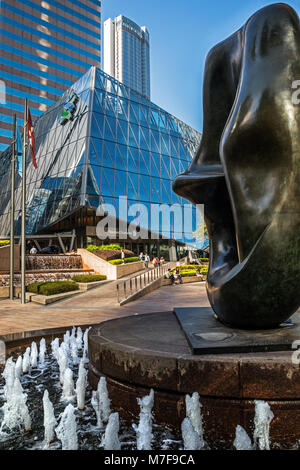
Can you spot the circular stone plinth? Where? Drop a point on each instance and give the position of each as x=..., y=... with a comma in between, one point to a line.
x=141, y=352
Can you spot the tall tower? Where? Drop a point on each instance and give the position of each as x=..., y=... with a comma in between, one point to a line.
x=126, y=53
x=45, y=47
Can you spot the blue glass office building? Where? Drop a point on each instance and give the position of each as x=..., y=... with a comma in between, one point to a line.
x=45, y=46
x=100, y=141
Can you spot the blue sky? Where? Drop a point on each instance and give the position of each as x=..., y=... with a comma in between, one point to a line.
x=181, y=34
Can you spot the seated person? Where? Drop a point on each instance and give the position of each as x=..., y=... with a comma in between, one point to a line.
x=178, y=275
x=170, y=275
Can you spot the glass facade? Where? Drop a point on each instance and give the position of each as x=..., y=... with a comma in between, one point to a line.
x=101, y=141
x=46, y=45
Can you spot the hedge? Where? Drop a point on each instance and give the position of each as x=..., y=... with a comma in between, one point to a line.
x=52, y=288
x=4, y=242
x=92, y=248
x=204, y=260
x=187, y=267
x=89, y=278
x=133, y=259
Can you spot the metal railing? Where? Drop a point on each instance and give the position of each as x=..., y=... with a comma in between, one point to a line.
x=129, y=287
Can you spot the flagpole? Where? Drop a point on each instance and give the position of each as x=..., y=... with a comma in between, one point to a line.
x=12, y=216
x=23, y=228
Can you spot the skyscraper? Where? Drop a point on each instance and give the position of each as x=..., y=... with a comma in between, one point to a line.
x=126, y=53
x=46, y=45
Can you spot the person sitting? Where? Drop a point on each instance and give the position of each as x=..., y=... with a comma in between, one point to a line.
x=198, y=274
x=178, y=275
x=170, y=276
x=33, y=250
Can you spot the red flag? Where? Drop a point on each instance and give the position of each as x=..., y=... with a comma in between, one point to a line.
x=30, y=135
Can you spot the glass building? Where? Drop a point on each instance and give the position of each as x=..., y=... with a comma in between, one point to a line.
x=46, y=45
x=101, y=149
x=127, y=53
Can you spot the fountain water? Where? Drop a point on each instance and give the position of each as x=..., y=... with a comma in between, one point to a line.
x=19, y=367
x=9, y=375
x=49, y=420
x=66, y=431
x=63, y=364
x=242, y=440
x=26, y=361
x=81, y=386
x=79, y=338
x=111, y=437
x=191, y=439
x=85, y=344
x=262, y=421
x=42, y=352
x=54, y=347
x=193, y=412
x=101, y=402
x=15, y=409
x=68, y=386
x=144, y=429
x=33, y=355
x=67, y=338
x=73, y=346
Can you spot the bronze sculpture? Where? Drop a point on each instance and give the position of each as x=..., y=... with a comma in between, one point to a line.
x=247, y=171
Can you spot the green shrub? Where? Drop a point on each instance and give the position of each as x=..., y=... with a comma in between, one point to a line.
x=89, y=278
x=92, y=248
x=114, y=262
x=188, y=267
x=34, y=287
x=52, y=288
x=188, y=273
x=204, y=271
x=204, y=260
x=132, y=259
x=57, y=287
x=4, y=242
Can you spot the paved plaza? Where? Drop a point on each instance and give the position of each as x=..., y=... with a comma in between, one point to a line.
x=95, y=306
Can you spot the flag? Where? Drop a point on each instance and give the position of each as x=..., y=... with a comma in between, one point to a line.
x=19, y=151
x=30, y=135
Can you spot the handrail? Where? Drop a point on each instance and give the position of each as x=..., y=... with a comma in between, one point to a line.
x=131, y=286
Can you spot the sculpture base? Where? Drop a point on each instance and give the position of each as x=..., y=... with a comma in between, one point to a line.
x=207, y=335
x=141, y=352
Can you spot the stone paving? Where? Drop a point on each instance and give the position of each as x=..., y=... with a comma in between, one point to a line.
x=95, y=306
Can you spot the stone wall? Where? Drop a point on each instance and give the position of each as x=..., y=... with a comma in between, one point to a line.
x=41, y=277
x=51, y=262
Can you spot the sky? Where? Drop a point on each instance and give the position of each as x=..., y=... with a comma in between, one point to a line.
x=181, y=34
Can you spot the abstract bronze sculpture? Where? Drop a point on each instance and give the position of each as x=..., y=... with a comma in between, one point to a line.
x=247, y=171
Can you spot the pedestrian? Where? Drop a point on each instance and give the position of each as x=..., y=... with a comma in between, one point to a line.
x=142, y=256
x=147, y=259
x=154, y=262
x=162, y=260
x=33, y=250
x=122, y=256
x=170, y=275
x=178, y=275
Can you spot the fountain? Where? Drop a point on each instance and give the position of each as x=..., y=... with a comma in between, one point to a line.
x=191, y=439
x=111, y=436
x=19, y=367
x=42, y=351
x=54, y=347
x=81, y=386
x=242, y=440
x=26, y=361
x=15, y=410
x=62, y=363
x=33, y=355
x=144, y=428
x=193, y=412
x=262, y=421
x=79, y=338
x=68, y=392
x=66, y=431
x=49, y=420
